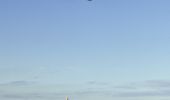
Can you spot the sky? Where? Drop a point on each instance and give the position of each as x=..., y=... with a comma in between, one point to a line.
x=87, y=50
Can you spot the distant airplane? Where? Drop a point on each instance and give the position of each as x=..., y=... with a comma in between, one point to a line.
x=89, y=0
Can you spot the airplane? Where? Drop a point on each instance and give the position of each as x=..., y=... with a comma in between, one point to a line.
x=89, y=0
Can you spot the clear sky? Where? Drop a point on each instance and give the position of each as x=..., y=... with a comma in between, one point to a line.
x=98, y=50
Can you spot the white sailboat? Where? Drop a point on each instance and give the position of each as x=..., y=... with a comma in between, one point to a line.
x=67, y=98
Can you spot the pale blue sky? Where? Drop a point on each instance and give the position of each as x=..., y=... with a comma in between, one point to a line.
x=112, y=49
